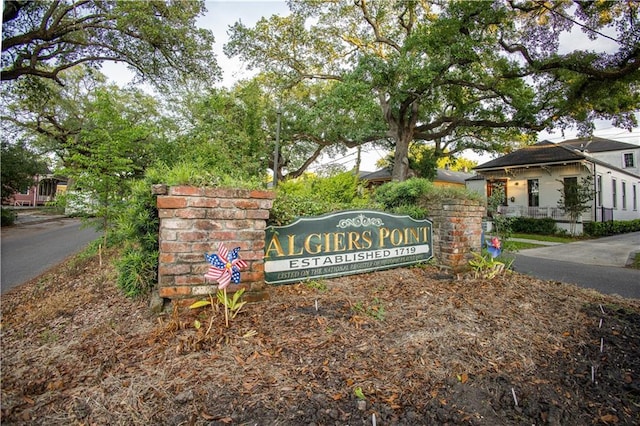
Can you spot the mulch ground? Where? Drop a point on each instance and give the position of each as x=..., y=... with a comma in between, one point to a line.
x=401, y=347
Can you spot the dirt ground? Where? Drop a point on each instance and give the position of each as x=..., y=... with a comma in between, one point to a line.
x=407, y=346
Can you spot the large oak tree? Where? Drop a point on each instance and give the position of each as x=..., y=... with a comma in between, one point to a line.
x=158, y=40
x=457, y=75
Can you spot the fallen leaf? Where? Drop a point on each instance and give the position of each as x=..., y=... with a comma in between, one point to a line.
x=609, y=418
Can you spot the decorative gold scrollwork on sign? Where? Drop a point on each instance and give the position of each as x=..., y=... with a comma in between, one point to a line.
x=360, y=221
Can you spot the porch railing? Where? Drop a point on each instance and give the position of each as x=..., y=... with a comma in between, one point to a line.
x=554, y=213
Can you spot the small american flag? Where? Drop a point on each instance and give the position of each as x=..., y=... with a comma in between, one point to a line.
x=225, y=266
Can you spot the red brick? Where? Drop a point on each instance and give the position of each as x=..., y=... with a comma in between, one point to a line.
x=166, y=258
x=246, y=204
x=251, y=276
x=258, y=214
x=226, y=214
x=189, y=280
x=192, y=213
x=173, y=269
x=203, y=202
x=170, y=202
x=206, y=225
x=175, y=247
x=172, y=292
x=262, y=194
x=186, y=190
x=189, y=236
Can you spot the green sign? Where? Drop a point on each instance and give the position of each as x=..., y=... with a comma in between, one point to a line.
x=343, y=243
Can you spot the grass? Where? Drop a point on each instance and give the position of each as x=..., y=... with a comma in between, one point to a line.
x=636, y=261
x=517, y=245
x=550, y=238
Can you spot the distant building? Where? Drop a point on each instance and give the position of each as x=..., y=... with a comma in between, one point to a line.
x=41, y=192
x=533, y=177
x=444, y=177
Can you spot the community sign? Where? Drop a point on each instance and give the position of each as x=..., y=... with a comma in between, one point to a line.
x=343, y=243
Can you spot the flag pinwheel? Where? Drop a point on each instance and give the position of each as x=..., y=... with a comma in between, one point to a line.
x=493, y=247
x=225, y=266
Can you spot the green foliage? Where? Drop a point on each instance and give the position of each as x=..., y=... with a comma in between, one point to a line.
x=455, y=75
x=159, y=40
x=137, y=271
x=19, y=167
x=407, y=193
x=613, y=227
x=234, y=304
x=530, y=225
x=575, y=198
x=319, y=285
x=313, y=196
x=375, y=309
x=414, y=211
x=8, y=217
x=495, y=200
x=137, y=229
x=225, y=131
x=503, y=226
x=487, y=267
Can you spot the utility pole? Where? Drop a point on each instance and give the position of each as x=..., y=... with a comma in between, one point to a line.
x=275, y=153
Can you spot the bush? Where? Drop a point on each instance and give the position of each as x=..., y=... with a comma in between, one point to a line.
x=8, y=217
x=313, y=196
x=137, y=230
x=614, y=227
x=395, y=194
x=529, y=225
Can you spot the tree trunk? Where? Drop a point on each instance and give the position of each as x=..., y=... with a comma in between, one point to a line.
x=401, y=129
x=401, y=157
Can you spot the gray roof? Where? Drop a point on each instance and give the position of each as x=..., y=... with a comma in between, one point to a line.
x=546, y=152
x=442, y=175
x=596, y=144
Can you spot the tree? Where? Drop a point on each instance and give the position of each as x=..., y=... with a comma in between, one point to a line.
x=575, y=198
x=225, y=130
x=158, y=40
x=56, y=118
x=20, y=165
x=457, y=75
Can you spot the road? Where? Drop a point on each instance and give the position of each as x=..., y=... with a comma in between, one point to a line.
x=31, y=249
x=624, y=282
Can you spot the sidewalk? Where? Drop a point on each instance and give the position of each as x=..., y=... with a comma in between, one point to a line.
x=34, y=216
x=617, y=250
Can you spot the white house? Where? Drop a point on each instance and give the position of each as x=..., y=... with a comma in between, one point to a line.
x=533, y=178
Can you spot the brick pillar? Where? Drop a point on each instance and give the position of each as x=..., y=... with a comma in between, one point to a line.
x=193, y=221
x=457, y=230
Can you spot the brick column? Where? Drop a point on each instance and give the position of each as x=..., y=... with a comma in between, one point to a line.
x=457, y=230
x=193, y=221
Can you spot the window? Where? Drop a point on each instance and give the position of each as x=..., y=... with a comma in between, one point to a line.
x=628, y=160
x=599, y=190
x=570, y=189
x=634, y=196
x=614, y=193
x=495, y=185
x=533, y=189
x=624, y=195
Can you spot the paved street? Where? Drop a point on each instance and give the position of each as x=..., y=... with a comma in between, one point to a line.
x=30, y=249
x=597, y=264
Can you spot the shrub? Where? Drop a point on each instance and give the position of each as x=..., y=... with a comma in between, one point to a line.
x=137, y=230
x=529, y=225
x=8, y=217
x=313, y=196
x=409, y=192
x=614, y=227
